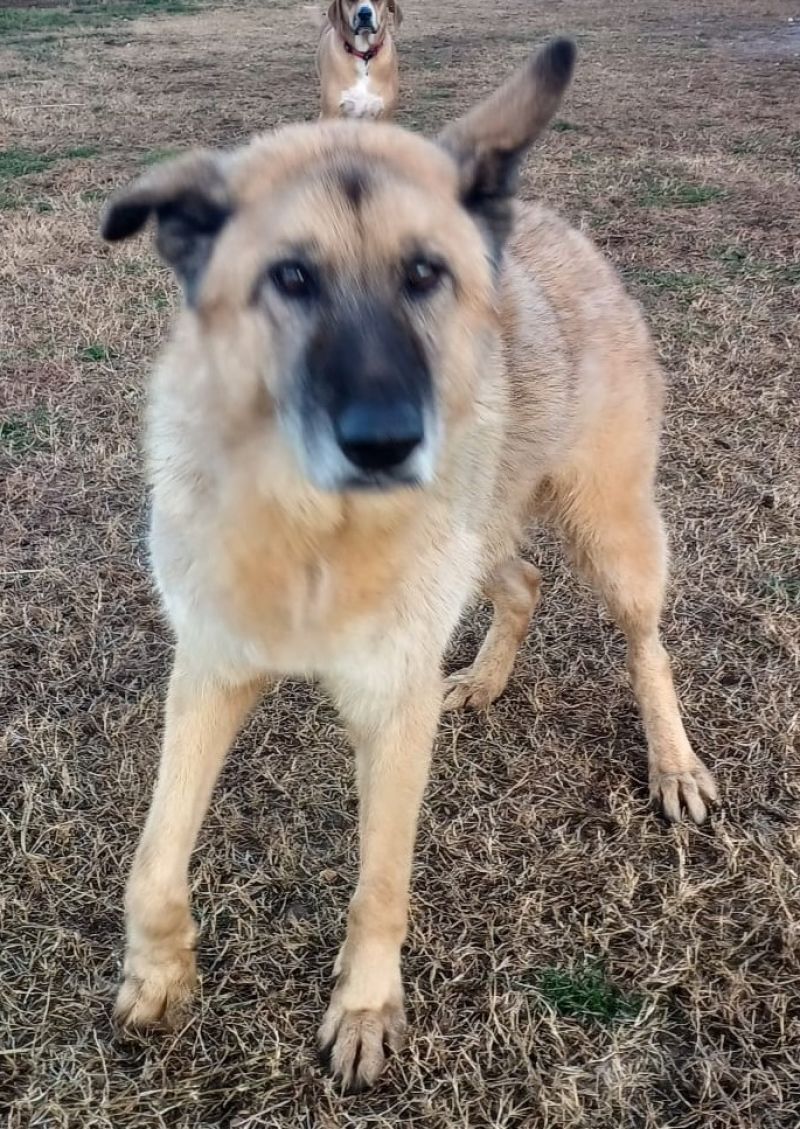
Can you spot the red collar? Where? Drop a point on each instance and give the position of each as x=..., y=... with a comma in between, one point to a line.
x=365, y=56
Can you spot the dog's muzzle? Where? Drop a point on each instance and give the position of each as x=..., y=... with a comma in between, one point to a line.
x=367, y=416
x=364, y=19
x=379, y=435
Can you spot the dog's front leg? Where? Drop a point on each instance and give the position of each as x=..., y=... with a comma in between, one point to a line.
x=203, y=716
x=392, y=720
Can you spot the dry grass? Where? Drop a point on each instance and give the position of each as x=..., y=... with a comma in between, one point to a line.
x=572, y=962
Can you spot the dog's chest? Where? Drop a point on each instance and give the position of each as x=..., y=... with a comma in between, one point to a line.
x=251, y=596
x=361, y=99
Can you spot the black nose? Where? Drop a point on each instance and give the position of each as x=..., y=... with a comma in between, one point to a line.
x=378, y=436
x=365, y=16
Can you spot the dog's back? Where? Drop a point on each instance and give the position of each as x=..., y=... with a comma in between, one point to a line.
x=579, y=346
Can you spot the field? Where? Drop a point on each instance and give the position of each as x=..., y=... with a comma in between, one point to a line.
x=572, y=961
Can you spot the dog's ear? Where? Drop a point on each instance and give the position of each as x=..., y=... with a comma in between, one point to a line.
x=190, y=200
x=489, y=143
x=336, y=17
x=397, y=12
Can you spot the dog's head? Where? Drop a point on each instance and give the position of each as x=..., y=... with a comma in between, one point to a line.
x=341, y=277
x=363, y=17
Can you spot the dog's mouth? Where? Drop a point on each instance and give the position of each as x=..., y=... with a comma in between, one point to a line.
x=365, y=26
x=336, y=464
x=341, y=477
x=376, y=483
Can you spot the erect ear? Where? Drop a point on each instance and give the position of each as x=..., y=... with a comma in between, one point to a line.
x=190, y=199
x=489, y=143
x=397, y=12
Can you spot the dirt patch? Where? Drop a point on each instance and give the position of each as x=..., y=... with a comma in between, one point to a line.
x=778, y=43
x=572, y=962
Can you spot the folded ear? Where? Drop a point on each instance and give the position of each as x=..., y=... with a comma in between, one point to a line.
x=490, y=142
x=190, y=199
x=397, y=12
x=336, y=17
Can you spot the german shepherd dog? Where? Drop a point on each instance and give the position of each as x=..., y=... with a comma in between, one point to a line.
x=384, y=370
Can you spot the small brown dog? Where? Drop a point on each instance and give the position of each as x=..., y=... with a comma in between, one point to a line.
x=383, y=373
x=357, y=61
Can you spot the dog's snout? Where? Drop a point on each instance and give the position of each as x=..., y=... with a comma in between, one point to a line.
x=368, y=387
x=377, y=436
x=364, y=15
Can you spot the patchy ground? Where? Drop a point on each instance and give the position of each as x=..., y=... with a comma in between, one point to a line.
x=572, y=961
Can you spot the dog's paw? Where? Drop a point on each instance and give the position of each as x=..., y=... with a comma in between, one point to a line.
x=155, y=994
x=359, y=103
x=354, y=1045
x=473, y=689
x=692, y=789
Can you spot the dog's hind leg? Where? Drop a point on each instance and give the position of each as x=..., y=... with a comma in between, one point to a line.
x=514, y=588
x=202, y=719
x=614, y=529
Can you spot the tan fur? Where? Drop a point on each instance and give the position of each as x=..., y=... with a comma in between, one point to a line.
x=376, y=83
x=550, y=400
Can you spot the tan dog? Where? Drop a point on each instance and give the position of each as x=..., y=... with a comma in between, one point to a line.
x=357, y=61
x=382, y=374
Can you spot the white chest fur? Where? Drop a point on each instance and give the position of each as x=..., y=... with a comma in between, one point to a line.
x=290, y=628
x=361, y=100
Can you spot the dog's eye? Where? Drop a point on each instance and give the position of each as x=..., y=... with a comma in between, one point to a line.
x=293, y=280
x=422, y=276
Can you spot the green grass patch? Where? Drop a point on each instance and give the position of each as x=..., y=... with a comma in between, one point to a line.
x=23, y=162
x=160, y=300
x=786, y=588
x=82, y=152
x=585, y=993
x=11, y=203
x=96, y=354
x=677, y=194
x=156, y=298
x=671, y=282
x=20, y=21
x=16, y=163
x=790, y=272
x=135, y=268
x=156, y=156
x=784, y=272
x=733, y=257
x=23, y=433
x=561, y=126
x=23, y=21
x=42, y=50
x=738, y=261
x=749, y=146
